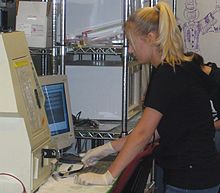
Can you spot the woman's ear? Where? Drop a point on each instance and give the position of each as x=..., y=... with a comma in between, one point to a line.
x=151, y=37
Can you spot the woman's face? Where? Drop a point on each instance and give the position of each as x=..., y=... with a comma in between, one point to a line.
x=140, y=48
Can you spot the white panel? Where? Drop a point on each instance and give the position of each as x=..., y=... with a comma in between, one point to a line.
x=7, y=96
x=96, y=91
x=15, y=151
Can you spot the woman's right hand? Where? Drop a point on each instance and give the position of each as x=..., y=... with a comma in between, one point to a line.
x=94, y=155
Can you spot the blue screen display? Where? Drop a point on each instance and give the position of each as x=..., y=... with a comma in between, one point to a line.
x=56, y=108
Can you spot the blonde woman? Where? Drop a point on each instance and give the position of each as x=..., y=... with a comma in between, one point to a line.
x=176, y=105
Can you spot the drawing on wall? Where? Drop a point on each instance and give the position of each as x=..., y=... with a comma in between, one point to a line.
x=199, y=21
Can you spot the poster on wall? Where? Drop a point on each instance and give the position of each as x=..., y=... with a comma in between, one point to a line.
x=200, y=24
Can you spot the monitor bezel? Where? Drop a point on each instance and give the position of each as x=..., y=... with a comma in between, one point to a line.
x=63, y=140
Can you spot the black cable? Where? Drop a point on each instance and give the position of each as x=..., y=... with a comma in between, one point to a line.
x=78, y=115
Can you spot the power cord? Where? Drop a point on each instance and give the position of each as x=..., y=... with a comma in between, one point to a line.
x=84, y=122
x=76, y=117
x=12, y=176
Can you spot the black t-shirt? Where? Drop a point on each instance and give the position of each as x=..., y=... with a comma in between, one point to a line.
x=187, y=150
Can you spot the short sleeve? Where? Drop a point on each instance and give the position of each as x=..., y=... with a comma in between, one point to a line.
x=162, y=88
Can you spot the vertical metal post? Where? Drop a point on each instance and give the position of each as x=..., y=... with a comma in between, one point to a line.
x=124, y=131
x=142, y=3
x=44, y=67
x=174, y=7
x=154, y=2
x=62, y=35
x=54, y=37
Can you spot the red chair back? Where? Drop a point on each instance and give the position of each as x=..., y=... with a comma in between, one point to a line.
x=134, y=177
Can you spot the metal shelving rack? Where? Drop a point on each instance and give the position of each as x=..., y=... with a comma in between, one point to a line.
x=106, y=50
x=115, y=133
x=64, y=49
x=101, y=52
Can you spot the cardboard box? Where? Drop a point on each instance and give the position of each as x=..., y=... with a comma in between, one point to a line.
x=33, y=19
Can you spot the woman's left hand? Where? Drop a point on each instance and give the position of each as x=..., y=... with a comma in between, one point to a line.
x=94, y=179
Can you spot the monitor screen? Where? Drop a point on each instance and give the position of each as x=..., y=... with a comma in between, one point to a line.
x=58, y=109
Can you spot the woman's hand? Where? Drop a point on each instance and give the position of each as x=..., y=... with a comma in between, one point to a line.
x=94, y=179
x=93, y=155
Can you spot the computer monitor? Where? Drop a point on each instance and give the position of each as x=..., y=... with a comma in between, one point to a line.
x=58, y=110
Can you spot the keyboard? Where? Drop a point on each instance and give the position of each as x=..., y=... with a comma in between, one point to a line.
x=69, y=158
x=100, y=168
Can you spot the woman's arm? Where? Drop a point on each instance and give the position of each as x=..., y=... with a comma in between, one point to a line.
x=128, y=148
x=137, y=140
x=119, y=143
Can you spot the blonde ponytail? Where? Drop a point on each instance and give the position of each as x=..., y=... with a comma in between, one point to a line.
x=169, y=36
x=160, y=19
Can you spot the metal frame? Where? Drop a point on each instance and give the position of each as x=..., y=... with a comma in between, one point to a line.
x=128, y=7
